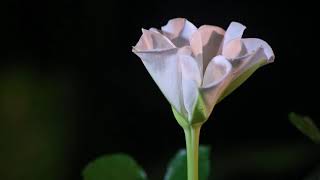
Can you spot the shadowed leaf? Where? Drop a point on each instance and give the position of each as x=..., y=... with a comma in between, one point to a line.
x=177, y=168
x=306, y=126
x=114, y=167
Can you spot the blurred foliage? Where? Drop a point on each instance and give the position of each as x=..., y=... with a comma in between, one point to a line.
x=114, y=167
x=267, y=160
x=32, y=128
x=263, y=162
x=177, y=168
x=36, y=133
x=123, y=167
x=306, y=125
x=315, y=175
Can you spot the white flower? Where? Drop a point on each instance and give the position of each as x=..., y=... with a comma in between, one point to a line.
x=196, y=67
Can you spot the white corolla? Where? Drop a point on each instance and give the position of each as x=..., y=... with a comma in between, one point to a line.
x=196, y=67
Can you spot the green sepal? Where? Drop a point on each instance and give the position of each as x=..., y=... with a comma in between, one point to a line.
x=183, y=122
x=199, y=114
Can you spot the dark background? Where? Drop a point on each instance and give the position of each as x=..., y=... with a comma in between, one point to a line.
x=71, y=89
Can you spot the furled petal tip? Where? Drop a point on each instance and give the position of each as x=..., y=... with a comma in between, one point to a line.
x=152, y=41
x=234, y=46
x=252, y=44
x=179, y=31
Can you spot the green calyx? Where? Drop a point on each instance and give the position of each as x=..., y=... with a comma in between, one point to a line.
x=199, y=115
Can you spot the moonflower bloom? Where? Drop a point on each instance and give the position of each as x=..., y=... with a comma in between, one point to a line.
x=196, y=67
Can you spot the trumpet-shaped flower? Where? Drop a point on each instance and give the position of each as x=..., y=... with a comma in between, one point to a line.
x=196, y=67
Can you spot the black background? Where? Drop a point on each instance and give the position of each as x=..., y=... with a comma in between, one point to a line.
x=116, y=106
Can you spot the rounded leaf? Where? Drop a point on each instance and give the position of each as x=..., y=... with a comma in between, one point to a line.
x=114, y=167
x=177, y=168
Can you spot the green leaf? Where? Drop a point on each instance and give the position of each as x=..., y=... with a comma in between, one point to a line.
x=114, y=167
x=306, y=126
x=240, y=79
x=177, y=168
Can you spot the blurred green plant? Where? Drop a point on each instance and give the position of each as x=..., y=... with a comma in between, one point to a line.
x=306, y=125
x=123, y=167
x=266, y=160
x=177, y=168
x=115, y=166
x=260, y=161
x=33, y=125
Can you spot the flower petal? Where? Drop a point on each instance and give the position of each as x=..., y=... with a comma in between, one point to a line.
x=234, y=31
x=196, y=46
x=216, y=78
x=252, y=44
x=191, y=81
x=245, y=66
x=259, y=52
x=218, y=68
x=177, y=75
x=232, y=45
x=207, y=41
x=163, y=67
x=179, y=31
x=152, y=41
x=155, y=30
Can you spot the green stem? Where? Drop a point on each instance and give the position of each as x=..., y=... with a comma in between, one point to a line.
x=192, y=134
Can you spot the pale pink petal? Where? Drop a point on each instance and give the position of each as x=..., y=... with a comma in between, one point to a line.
x=179, y=31
x=155, y=30
x=163, y=66
x=218, y=68
x=259, y=52
x=232, y=45
x=216, y=78
x=177, y=75
x=206, y=43
x=196, y=46
x=252, y=44
x=244, y=63
x=191, y=82
x=152, y=41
